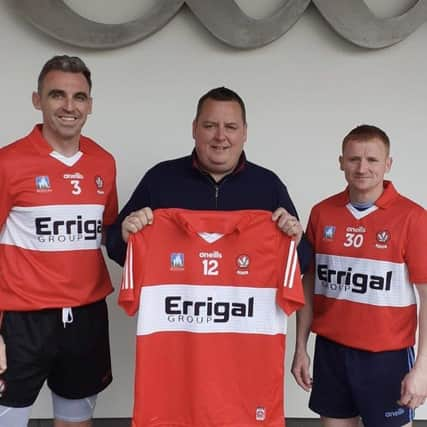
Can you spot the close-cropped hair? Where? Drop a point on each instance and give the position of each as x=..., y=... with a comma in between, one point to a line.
x=67, y=64
x=222, y=94
x=366, y=133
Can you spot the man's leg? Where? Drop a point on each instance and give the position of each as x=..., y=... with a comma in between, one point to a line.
x=340, y=422
x=27, y=336
x=376, y=379
x=73, y=412
x=60, y=423
x=82, y=368
x=331, y=395
x=14, y=417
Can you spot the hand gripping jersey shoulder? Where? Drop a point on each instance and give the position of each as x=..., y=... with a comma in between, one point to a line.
x=211, y=290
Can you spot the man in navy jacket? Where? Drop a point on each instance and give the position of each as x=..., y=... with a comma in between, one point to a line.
x=216, y=176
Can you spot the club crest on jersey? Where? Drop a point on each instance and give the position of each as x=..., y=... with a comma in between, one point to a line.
x=383, y=237
x=243, y=262
x=260, y=414
x=43, y=184
x=329, y=232
x=176, y=261
x=99, y=182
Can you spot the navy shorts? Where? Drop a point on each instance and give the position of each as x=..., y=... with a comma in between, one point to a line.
x=348, y=383
x=75, y=359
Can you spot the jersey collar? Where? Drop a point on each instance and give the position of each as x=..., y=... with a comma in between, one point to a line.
x=43, y=147
x=388, y=196
x=196, y=222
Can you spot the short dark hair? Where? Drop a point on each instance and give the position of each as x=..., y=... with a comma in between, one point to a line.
x=68, y=64
x=222, y=94
x=367, y=132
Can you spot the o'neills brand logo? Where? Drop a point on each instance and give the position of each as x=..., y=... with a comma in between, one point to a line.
x=76, y=175
x=396, y=413
x=50, y=230
x=359, y=229
x=208, y=310
x=214, y=254
x=347, y=280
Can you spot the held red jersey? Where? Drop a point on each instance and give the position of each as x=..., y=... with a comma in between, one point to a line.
x=212, y=291
x=52, y=210
x=366, y=263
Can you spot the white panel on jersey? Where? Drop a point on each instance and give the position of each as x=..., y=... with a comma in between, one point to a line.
x=210, y=309
x=210, y=237
x=366, y=281
x=54, y=227
x=68, y=161
x=358, y=214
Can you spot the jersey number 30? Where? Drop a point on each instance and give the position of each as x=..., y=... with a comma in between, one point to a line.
x=352, y=239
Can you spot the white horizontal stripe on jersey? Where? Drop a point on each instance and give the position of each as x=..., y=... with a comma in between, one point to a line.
x=365, y=281
x=210, y=309
x=54, y=227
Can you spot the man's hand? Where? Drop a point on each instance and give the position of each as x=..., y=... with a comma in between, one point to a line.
x=301, y=370
x=135, y=221
x=3, y=361
x=288, y=224
x=413, y=391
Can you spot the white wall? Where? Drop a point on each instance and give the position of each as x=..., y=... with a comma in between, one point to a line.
x=303, y=93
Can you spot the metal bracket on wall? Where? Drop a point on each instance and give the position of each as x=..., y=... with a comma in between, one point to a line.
x=352, y=19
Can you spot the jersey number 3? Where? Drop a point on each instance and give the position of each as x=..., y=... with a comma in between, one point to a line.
x=76, y=186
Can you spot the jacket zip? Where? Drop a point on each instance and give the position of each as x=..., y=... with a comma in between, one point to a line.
x=216, y=195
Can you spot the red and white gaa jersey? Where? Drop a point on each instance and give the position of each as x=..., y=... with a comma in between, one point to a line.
x=366, y=263
x=52, y=211
x=213, y=290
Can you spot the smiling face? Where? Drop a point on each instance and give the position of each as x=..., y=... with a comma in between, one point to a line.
x=365, y=162
x=65, y=102
x=219, y=133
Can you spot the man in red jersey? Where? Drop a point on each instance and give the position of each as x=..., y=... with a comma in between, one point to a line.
x=369, y=251
x=57, y=193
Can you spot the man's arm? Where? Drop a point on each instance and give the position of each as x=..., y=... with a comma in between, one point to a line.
x=136, y=221
x=301, y=361
x=3, y=361
x=116, y=245
x=288, y=223
x=284, y=203
x=414, y=384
